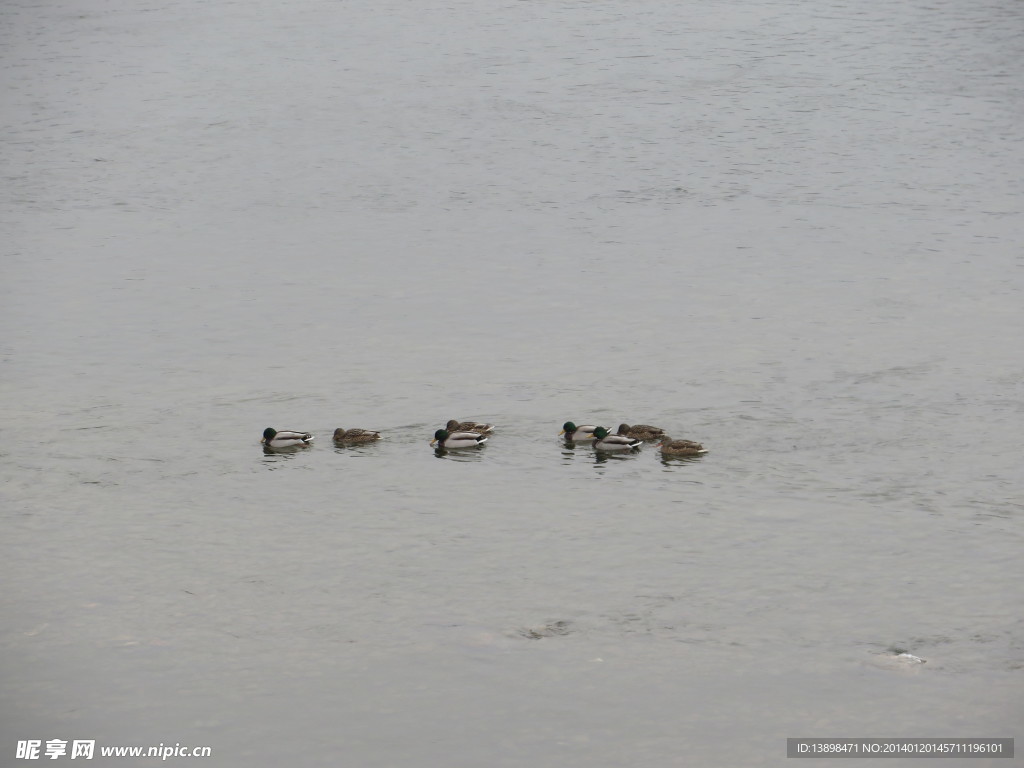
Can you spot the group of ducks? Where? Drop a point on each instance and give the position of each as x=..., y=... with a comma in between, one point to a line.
x=471, y=434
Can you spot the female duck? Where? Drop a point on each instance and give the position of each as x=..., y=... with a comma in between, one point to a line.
x=448, y=440
x=642, y=431
x=469, y=426
x=286, y=438
x=606, y=442
x=355, y=435
x=670, y=447
x=576, y=434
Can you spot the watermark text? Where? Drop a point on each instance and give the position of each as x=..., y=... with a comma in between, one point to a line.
x=86, y=749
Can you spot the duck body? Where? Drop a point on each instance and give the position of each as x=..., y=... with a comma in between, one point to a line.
x=642, y=431
x=454, y=426
x=355, y=435
x=603, y=441
x=449, y=440
x=576, y=434
x=285, y=438
x=670, y=447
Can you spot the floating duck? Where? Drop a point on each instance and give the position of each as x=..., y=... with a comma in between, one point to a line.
x=448, y=440
x=670, y=447
x=603, y=441
x=576, y=434
x=642, y=431
x=286, y=438
x=355, y=435
x=469, y=426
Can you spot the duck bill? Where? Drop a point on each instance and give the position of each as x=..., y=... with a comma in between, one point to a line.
x=432, y=442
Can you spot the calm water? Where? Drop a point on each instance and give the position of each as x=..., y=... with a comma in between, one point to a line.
x=790, y=230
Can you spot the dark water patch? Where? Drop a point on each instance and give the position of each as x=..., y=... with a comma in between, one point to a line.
x=362, y=450
x=273, y=458
x=558, y=628
x=601, y=456
x=461, y=454
x=670, y=462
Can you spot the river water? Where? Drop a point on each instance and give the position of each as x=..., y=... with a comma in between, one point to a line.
x=790, y=230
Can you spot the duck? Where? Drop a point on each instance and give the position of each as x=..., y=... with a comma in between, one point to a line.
x=286, y=438
x=576, y=434
x=448, y=440
x=469, y=426
x=670, y=447
x=603, y=441
x=642, y=431
x=355, y=435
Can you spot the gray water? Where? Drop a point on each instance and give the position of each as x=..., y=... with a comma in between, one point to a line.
x=789, y=230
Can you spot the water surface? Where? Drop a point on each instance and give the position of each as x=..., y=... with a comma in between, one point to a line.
x=788, y=230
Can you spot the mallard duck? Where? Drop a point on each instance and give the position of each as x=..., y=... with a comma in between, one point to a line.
x=642, y=431
x=469, y=426
x=670, y=447
x=607, y=442
x=576, y=434
x=448, y=440
x=355, y=435
x=286, y=438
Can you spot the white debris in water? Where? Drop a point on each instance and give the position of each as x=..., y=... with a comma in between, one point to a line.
x=910, y=657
